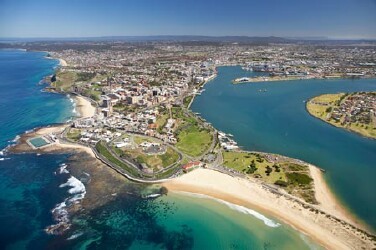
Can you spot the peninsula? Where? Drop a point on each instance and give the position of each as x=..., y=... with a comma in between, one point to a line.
x=135, y=118
x=352, y=111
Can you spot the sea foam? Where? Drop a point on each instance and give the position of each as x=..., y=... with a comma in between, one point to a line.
x=63, y=169
x=60, y=211
x=268, y=222
x=74, y=110
x=15, y=139
x=77, y=187
x=75, y=236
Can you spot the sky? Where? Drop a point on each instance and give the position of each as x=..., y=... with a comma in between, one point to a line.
x=343, y=19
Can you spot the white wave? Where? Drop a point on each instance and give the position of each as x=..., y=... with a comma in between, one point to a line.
x=60, y=211
x=76, y=186
x=268, y=222
x=5, y=150
x=74, y=105
x=63, y=169
x=29, y=131
x=15, y=139
x=59, y=206
x=152, y=195
x=3, y=159
x=74, y=236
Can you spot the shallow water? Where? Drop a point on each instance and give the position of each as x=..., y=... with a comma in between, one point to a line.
x=34, y=185
x=276, y=121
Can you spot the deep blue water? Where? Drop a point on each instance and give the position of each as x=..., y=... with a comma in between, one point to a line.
x=22, y=104
x=30, y=189
x=277, y=121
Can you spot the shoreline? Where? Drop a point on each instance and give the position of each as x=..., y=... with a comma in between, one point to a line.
x=84, y=107
x=216, y=185
x=201, y=87
x=62, y=62
x=327, y=231
x=334, y=124
x=87, y=110
x=328, y=200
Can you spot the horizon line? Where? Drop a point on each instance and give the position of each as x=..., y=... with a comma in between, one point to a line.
x=202, y=36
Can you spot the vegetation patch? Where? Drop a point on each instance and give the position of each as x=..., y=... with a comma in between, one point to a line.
x=187, y=100
x=74, y=134
x=108, y=155
x=254, y=165
x=194, y=140
x=156, y=161
x=346, y=110
x=64, y=80
x=298, y=179
x=292, y=177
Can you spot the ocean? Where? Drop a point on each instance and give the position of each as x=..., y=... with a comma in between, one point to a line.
x=109, y=212
x=276, y=121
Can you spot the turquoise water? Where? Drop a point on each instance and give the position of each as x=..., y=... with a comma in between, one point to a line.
x=31, y=186
x=38, y=142
x=276, y=121
x=181, y=221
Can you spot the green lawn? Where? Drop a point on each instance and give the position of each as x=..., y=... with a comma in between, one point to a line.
x=241, y=161
x=292, y=177
x=92, y=93
x=74, y=134
x=107, y=154
x=318, y=105
x=194, y=141
x=65, y=80
x=161, y=122
x=157, y=162
x=187, y=100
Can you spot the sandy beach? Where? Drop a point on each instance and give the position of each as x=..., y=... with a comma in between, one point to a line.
x=327, y=223
x=324, y=229
x=84, y=107
x=62, y=62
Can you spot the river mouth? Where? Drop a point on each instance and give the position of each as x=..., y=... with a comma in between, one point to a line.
x=276, y=121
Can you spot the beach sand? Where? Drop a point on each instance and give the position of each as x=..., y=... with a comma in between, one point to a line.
x=62, y=62
x=326, y=230
x=84, y=107
x=331, y=232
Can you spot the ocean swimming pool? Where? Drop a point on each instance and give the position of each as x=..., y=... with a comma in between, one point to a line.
x=38, y=142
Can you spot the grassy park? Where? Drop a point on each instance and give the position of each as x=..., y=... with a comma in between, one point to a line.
x=321, y=105
x=100, y=147
x=254, y=165
x=292, y=177
x=193, y=138
x=156, y=162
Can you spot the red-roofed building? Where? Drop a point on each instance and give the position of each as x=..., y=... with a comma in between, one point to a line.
x=191, y=165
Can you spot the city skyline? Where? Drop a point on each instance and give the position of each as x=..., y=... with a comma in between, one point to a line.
x=332, y=19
